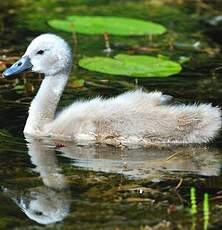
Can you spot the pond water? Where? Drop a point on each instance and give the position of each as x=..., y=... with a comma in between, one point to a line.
x=101, y=187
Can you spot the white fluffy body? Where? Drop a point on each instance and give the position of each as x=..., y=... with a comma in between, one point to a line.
x=133, y=118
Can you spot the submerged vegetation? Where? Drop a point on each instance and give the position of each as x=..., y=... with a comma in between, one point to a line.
x=103, y=187
x=194, y=211
x=193, y=201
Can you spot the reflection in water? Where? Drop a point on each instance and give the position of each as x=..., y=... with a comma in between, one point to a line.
x=43, y=205
x=51, y=202
x=46, y=204
x=143, y=163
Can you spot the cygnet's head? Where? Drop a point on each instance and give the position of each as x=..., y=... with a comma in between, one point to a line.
x=48, y=54
x=44, y=205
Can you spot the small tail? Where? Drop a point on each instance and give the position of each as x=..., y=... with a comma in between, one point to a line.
x=205, y=123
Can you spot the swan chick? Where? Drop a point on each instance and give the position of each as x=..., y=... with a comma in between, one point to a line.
x=135, y=118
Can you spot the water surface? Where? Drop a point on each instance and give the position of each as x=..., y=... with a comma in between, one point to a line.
x=102, y=187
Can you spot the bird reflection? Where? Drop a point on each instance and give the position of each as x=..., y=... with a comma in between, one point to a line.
x=146, y=163
x=51, y=203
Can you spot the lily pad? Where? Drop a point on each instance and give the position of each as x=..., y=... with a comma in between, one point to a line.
x=112, y=25
x=131, y=65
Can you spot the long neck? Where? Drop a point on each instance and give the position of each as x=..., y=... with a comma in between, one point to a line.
x=44, y=159
x=43, y=106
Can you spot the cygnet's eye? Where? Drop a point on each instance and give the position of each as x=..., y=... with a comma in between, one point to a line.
x=40, y=52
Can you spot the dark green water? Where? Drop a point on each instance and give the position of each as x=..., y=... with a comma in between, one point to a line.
x=44, y=187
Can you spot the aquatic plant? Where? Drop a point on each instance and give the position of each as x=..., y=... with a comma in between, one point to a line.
x=194, y=209
x=193, y=201
x=205, y=211
x=99, y=25
x=131, y=65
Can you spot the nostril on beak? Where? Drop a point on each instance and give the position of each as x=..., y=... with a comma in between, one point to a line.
x=21, y=66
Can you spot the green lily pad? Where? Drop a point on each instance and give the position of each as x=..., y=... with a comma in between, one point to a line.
x=131, y=65
x=112, y=25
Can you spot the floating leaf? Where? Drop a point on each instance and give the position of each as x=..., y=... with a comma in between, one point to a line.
x=131, y=65
x=112, y=25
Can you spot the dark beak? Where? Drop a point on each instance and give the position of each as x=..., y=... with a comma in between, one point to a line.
x=22, y=65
